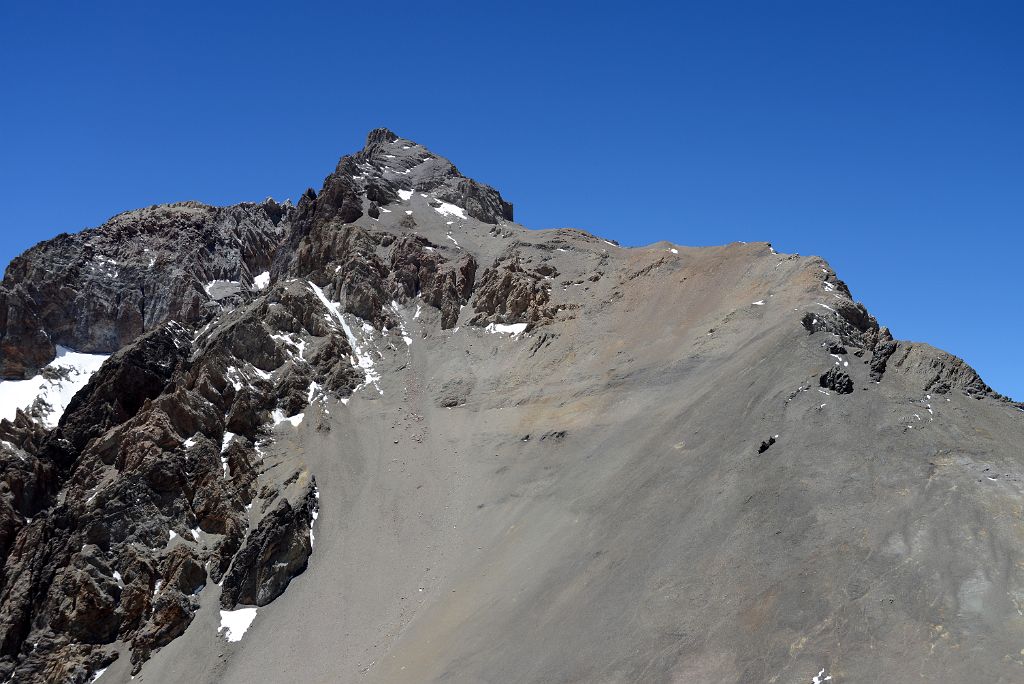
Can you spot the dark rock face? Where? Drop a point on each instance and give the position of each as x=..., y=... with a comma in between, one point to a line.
x=98, y=290
x=389, y=163
x=937, y=371
x=24, y=345
x=836, y=380
x=272, y=555
x=138, y=461
x=880, y=357
x=481, y=202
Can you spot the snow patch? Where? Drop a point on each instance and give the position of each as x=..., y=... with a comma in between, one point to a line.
x=406, y=195
x=71, y=371
x=213, y=283
x=235, y=623
x=447, y=209
x=759, y=302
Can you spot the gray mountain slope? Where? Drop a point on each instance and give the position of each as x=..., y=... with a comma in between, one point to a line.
x=683, y=465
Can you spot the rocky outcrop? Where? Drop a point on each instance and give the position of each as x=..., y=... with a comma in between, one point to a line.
x=880, y=354
x=936, y=371
x=836, y=380
x=848, y=320
x=443, y=284
x=509, y=293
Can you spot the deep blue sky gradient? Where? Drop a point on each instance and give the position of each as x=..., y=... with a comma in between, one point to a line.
x=886, y=137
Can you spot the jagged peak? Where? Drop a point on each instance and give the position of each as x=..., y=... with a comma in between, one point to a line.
x=389, y=165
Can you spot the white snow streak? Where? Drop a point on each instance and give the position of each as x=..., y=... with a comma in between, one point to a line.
x=363, y=358
x=316, y=514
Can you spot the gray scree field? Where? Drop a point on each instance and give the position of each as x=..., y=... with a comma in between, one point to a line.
x=389, y=435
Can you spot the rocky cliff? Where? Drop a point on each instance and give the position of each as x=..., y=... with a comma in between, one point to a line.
x=387, y=434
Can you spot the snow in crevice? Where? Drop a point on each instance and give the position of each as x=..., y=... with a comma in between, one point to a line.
x=316, y=514
x=363, y=359
x=401, y=322
x=235, y=623
x=454, y=241
x=826, y=306
x=821, y=677
x=56, y=386
x=234, y=376
x=295, y=420
x=513, y=329
x=294, y=344
x=228, y=436
x=261, y=281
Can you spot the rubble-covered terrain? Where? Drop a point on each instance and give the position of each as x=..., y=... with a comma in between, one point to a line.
x=388, y=435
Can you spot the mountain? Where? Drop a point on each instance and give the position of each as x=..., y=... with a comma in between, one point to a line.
x=388, y=435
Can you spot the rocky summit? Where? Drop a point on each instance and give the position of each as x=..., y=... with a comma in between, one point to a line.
x=386, y=434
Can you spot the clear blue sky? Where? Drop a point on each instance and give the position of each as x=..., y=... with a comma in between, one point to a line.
x=886, y=137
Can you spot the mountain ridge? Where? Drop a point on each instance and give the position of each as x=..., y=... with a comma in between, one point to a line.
x=206, y=468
